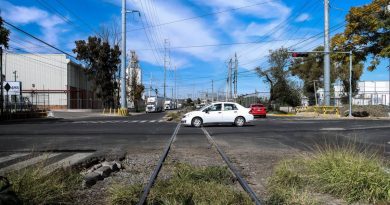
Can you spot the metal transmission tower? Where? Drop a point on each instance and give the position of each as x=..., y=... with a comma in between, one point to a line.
x=235, y=77
x=326, y=54
x=229, y=81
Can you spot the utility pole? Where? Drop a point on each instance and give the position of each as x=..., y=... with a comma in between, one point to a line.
x=1, y=81
x=123, y=61
x=235, y=76
x=150, y=84
x=315, y=91
x=350, y=84
x=326, y=54
x=212, y=91
x=227, y=83
x=229, y=94
x=175, y=88
x=165, y=68
x=15, y=76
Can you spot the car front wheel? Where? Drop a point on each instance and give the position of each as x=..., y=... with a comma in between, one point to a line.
x=239, y=121
x=197, y=122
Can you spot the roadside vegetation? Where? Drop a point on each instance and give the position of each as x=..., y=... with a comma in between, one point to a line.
x=342, y=173
x=31, y=186
x=176, y=115
x=188, y=185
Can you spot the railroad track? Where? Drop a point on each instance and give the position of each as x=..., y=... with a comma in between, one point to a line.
x=226, y=159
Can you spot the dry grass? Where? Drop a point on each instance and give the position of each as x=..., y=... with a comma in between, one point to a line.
x=341, y=172
x=189, y=185
x=33, y=187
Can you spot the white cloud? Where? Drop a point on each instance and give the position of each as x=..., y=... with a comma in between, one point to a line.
x=50, y=25
x=261, y=9
x=303, y=17
x=192, y=32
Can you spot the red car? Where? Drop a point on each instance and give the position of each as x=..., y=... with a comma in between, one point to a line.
x=258, y=110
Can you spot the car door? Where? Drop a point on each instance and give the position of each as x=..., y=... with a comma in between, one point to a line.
x=230, y=112
x=213, y=114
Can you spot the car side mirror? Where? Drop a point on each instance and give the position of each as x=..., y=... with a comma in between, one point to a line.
x=206, y=111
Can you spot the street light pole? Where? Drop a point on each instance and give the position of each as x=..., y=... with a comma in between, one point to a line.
x=350, y=84
x=326, y=54
x=123, y=59
x=1, y=81
x=123, y=63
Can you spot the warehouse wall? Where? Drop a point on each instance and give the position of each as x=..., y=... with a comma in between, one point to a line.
x=39, y=72
x=50, y=79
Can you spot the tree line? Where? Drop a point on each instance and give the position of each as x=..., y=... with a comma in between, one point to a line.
x=366, y=34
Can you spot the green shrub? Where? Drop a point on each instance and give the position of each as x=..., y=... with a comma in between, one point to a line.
x=345, y=173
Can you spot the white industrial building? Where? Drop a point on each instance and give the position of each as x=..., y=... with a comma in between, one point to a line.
x=50, y=80
x=132, y=68
x=370, y=93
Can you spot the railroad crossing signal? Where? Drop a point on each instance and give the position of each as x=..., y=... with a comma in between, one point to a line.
x=296, y=55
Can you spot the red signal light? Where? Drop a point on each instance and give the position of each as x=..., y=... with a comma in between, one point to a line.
x=296, y=55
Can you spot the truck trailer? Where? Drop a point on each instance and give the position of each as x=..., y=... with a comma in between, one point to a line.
x=154, y=104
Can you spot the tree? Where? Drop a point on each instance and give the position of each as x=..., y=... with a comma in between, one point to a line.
x=136, y=88
x=101, y=61
x=282, y=90
x=367, y=32
x=310, y=69
x=4, y=34
x=189, y=102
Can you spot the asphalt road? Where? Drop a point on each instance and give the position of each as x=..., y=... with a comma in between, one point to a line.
x=148, y=131
x=307, y=134
x=90, y=133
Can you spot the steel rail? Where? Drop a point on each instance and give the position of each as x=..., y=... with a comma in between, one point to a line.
x=158, y=168
x=240, y=179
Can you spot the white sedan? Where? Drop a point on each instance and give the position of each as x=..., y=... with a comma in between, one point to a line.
x=219, y=112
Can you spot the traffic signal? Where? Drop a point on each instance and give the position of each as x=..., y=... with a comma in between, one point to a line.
x=295, y=55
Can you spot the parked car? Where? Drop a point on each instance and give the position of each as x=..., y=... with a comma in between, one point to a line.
x=258, y=110
x=219, y=112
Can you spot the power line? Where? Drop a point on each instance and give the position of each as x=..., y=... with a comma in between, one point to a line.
x=152, y=37
x=38, y=39
x=280, y=25
x=205, y=15
x=78, y=17
x=225, y=44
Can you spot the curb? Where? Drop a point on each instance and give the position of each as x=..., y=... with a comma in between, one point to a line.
x=282, y=115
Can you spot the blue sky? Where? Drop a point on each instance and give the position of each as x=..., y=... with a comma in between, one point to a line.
x=197, y=31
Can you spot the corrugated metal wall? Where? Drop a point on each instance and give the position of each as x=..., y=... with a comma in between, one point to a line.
x=39, y=72
x=62, y=81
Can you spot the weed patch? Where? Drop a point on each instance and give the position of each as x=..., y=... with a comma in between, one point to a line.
x=32, y=187
x=188, y=185
x=344, y=173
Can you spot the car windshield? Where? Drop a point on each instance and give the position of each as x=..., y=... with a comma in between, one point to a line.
x=257, y=106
